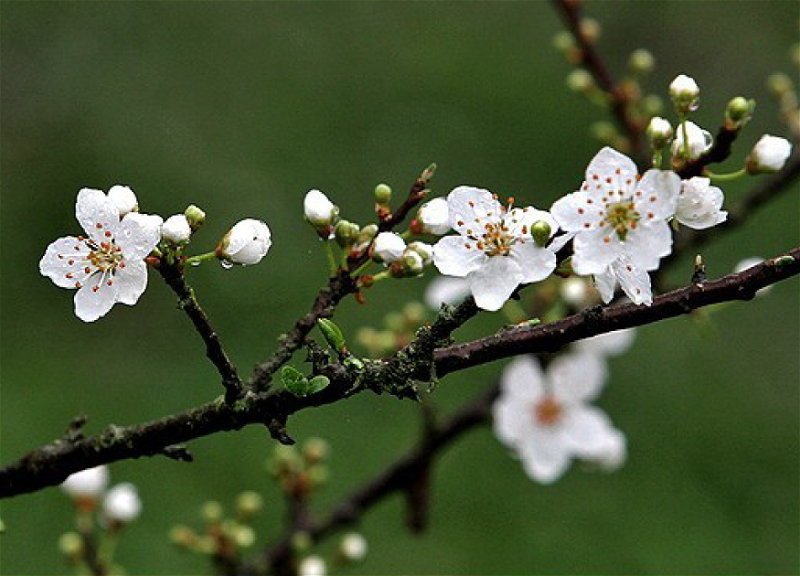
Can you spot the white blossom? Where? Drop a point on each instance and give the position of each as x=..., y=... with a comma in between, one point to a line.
x=684, y=87
x=446, y=290
x=107, y=265
x=611, y=454
x=699, y=204
x=122, y=503
x=354, y=547
x=89, y=483
x=124, y=199
x=659, y=132
x=388, y=247
x=618, y=219
x=176, y=229
x=434, y=217
x=699, y=140
x=246, y=243
x=494, y=249
x=312, y=566
x=318, y=209
x=546, y=418
x=634, y=281
x=768, y=155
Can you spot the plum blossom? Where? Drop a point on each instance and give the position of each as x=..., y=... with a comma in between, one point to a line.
x=768, y=155
x=699, y=204
x=433, y=218
x=89, y=483
x=494, y=249
x=107, y=265
x=124, y=199
x=122, y=503
x=246, y=243
x=634, y=281
x=546, y=418
x=388, y=247
x=699, y=141
x=312, y=566
x=318, y=209
x=176, y=229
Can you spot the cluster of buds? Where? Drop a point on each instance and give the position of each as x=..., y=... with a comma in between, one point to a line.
x=298, y=471
x=223, y=536
x=398, y=330
x=99, y=512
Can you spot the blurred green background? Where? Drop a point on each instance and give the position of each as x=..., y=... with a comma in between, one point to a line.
x=241, y=107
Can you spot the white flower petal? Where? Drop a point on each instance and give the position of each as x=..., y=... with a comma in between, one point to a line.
x=586, y=431
x=95, y=298
x=124, y=199
x=86, y=483
x=471, y=208
x=660, y=190
x=452, y=257
x=610, y=455
x=544, y=456
x=509, y=421
x=699, y=204
x=522, y=381
x=594, y=251
x=97, y=214
x=64, y=260
x=493, y=283
x=122, y=503
x=138, y=234
x=634, y=281
x=577, y=377
x=560, y=241
x=132, y=280
x=536, y=263
x=606, y=283
x=647, y=244
x=434, y=216
x=608, y=344
x=446, y=290
x=573, y=212
x=518, y=218
x=609, y=171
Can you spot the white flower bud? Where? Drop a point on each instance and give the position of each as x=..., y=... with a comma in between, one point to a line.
x=124, y=199
x=388, y=247
x=575, y=291
x=354, y=547
x=768, y=155
x=434, y=217
x=699, y=141
x=684, y=93
x=176, y=229
x=659, y=131
x=424, y=250
x=411, y=264
x=122, y=503
x=319, y=211
x=580, y=80
x=246, y=243
x=86, y=483
x=312, y=566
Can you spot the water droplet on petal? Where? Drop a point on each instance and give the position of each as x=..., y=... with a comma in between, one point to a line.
x=195, y=263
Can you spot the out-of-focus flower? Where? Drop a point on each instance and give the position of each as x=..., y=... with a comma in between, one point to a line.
x=768, y=155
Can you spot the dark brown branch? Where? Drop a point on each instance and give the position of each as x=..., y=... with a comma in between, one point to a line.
x=395, y=478
x=594, y=64
x=173, y=276
x=52, y=463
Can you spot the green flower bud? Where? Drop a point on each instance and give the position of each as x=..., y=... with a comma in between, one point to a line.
x=211, y=511
x=652, y=105
x=244, y=536
x=739, y=111
x=779, y=83
x=563, y=41
x=332, y=333
x=301, y=541
x=580, y=81
x=604, y=131
x=367, y=233
x=395, y=321
x=590, y=28
x=249, y=503
x=195, y=216
x=181, y=535
x=414, y=313
x=641, y=61
x=315, y=450
x=346, y=233
x=70, y=544
x=383, y=194
x=540, y=230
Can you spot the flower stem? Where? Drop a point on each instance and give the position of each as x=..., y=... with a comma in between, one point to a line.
x=685, y=151
x=326, y=246
x=380, y=276
x=657, y=158
x=726, y=177
x=360, y=269
x=200, y=258
x=407, y=234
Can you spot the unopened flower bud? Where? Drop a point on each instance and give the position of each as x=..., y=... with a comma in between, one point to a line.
x=685, y=94
x=353, y=547
x=124, y=199
x=383, y=194
x=777, y=83
x=652, y=105
x=659, y=132
x=319, y=211
x=388, y=247
x=414, y=313
x=122, y=503
x=249, y=503
x=604, y=131
x=176, y=229
x=88, y=483
x=181, y=535
x=541, y=231
x=424, y=250
x=367, y=233
x=433, y=217
x=211, y=511
x=408, y=266
x=301, y=541
x=590, y=28
x=346, y=233
x=244, y=536
x=195, y=216
x=246, y=243
x=699, y=141
x=315, y=450
x=563, y=41
x=580, y=80
x=739, y=111
x=641, y=61
x=70, y=544
x=768, y=155
x=574, y=291
x=312, y=566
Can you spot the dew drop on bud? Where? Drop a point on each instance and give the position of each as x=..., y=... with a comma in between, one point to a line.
x=227, y=264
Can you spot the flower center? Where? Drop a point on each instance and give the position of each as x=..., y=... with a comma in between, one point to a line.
x=106, y=256
x=496, y=241
x=622, y=216
x=547, y=412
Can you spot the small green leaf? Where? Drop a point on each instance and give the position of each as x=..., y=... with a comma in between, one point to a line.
x=318, y=383
x=353, y=363
x=332, y=334
x=294, y=381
